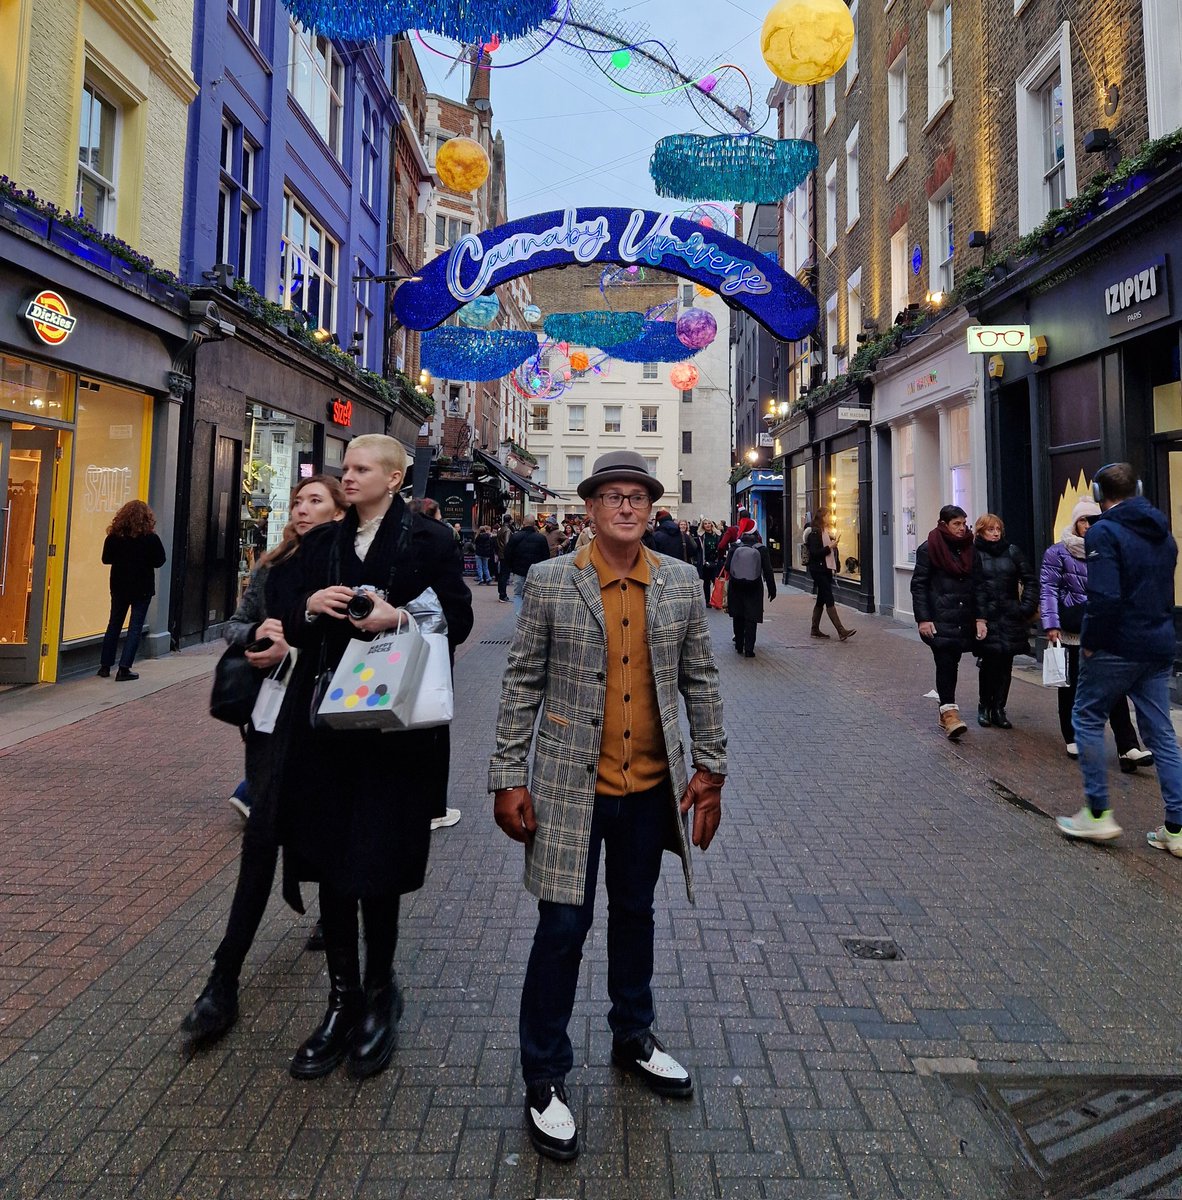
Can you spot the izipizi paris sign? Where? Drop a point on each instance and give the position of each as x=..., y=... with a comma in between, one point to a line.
x=1139, y=299
x=477, y=263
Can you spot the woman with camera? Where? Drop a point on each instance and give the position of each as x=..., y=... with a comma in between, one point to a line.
x=356, y=804
x=316, y=501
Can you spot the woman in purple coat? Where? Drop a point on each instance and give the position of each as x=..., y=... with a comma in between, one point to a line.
x=1064, y=595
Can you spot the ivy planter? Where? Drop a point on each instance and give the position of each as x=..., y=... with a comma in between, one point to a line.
x=25, y=217
x=79, y=245
x=168, y=293
x=129, y=274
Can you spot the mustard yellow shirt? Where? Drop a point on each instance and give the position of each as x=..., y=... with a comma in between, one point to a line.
x=632, y=755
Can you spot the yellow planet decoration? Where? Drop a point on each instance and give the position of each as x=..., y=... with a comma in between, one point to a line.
x=806, y=41
x=462, y=164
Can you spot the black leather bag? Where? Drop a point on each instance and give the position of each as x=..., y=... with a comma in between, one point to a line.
x=236, y=687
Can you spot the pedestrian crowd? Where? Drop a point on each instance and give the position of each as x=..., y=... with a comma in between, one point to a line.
x=611, y=651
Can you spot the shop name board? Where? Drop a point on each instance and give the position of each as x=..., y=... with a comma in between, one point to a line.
x=998, y=339
x=340, y=412
x=479, y=262
x=847, y=412
x=1137, y=299
x=50, y=317
x=921, y=383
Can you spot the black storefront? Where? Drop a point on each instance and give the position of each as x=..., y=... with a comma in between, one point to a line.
x=826, y=454
x=1103, y=381
x=266, y=411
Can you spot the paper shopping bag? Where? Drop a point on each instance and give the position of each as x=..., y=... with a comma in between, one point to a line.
x=271, y=694
x=1054, y=667
x=375, y=683
x=718, y=592
x=435, y=702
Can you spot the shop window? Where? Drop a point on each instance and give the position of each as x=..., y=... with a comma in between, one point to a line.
x=908, y=526
x=316, y=78
x=280, y=451
x=845, y=510
x=98, y=138
x=1162, y=354
x=1046, y=134
x=35, y=390
x=111, y=452
x=960, y=458
x=939, y=56
x=897, y=111
x=613, y=418
x=334, y=452
x=309, y=261
x=801, y=516
x=648, y=418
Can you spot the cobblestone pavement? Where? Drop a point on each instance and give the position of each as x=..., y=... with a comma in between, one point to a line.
x=819, y=1074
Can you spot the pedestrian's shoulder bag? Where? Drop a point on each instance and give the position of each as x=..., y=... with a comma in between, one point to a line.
x=804, y=550
x=235, y=687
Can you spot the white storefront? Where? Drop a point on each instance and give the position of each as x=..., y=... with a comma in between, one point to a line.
x=929, y=424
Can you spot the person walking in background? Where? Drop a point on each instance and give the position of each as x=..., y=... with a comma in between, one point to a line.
x=527, y=547
x=823, y=565
x=317, y=500
x=667, y=537
x=608, y=639
x=1128, y=644
x=503, y=535
x=133, y=552
x=1063, y=597
x=554, y=537
x=732, y=533
x=942, y=601
x=692, y=544
x=484, y=548
x=749, y=566
x=1004, y=600
x=709, y=537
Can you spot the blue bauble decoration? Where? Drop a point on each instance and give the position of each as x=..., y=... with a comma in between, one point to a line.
x=658, y=342
x=532, y=314
x=479, y=313
x=475, y=355
x=595, y=328
x=471, y=22
x=736, y=167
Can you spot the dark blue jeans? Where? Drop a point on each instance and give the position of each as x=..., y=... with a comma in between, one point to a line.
x=139, y=613
x=634, y=830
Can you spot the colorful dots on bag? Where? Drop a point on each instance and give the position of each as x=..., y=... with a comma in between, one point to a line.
x=352, y=701
x=336, y=694
x=394, y=656
x=372, y=699
x=359, y=668
x=367, y=674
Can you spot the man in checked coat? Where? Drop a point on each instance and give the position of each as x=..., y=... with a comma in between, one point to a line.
x=606, y=640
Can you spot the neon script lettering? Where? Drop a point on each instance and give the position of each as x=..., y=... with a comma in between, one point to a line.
x=695, y=251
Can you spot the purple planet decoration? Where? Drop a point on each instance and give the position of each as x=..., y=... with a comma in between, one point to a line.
x=708, y=83
x=696, y=328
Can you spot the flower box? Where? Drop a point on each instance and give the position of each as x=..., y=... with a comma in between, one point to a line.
x=128, y=273
x=25, y=217
x=168, y=293
x=79, y=245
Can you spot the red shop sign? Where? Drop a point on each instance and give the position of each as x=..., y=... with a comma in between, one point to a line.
x=340, y=412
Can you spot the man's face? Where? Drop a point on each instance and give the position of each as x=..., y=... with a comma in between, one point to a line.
x=620, y=512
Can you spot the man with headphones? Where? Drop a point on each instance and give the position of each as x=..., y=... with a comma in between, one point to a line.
x=1128, y=648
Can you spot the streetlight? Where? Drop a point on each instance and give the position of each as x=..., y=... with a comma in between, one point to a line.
x=395, y=282
x=752, y=456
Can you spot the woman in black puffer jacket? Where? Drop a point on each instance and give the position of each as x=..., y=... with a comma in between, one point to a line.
x=1006, y=598
x=942, y=601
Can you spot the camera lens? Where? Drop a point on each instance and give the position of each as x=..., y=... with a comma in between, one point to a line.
x=360, y=606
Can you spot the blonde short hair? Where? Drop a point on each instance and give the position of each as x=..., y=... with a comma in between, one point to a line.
x=389, y=451
x=987, y=521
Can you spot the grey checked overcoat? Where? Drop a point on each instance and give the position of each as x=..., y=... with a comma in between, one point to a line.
x=557, y=679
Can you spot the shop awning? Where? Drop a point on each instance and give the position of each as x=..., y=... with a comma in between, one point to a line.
x=535, y=491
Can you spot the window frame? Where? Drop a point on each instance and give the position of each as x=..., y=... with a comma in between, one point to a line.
x=851, y=62
x=289, y=252
x=829, y=102
x=1054, y=57
x=900, y=258
x=897, y=108
x=940, y=92
x=581, y=459
x=616, y=426
x=941, y=235
x=581, y=427
x=831, y=206
x=333, y=77
x=648, y=372
x=650, y=418
x=108, y=188
x=542, y=411
x=832, y=337
x=853, y=184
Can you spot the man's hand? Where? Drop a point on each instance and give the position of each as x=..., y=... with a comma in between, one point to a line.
x=927, y=629
x=982, y=629
x=513, y=811
x=704, y=796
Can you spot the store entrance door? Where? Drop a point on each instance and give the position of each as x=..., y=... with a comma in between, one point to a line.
x=26, y=484
x=1169, y=478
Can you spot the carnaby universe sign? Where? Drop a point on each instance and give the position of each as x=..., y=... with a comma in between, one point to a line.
x=477, y=263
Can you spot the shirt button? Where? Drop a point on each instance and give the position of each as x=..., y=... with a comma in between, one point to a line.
x=625, y=621
x=625, y=658
x=594, y=720
x=627, y=733
x=627, y=697
x=623, y=587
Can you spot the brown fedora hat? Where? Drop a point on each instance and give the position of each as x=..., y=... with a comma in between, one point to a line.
x=621, y=466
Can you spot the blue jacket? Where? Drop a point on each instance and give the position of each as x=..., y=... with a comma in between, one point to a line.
x=1131, y=558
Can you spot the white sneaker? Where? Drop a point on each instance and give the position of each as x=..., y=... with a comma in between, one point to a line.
x=450, y=817
x=1139, y=758
x=1088, y=828
x=1072, y=750
x=241, y=807
x=1163, y=839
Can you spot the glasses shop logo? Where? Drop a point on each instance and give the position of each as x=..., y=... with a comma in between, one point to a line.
x=50, y=317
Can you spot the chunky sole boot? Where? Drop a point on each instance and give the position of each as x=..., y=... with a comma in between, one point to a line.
x=214, y=1012
x=330, y=1043
x=376, y=1038
x=999, y=719
x=983, y=718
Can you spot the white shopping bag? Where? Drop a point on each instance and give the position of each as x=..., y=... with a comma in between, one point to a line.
x=1054, y=667
x=435, y=702
x=375, y=683
x=271, y=694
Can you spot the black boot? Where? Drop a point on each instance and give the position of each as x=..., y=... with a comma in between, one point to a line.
x=325, y=1050
x=376, y=1038
x=215, y=1010
x=983, y=717
x=997, y=715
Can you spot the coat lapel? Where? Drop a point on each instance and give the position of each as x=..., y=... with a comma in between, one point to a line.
x=586, y=580
x=652, y=594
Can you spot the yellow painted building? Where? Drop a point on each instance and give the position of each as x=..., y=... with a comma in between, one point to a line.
x=94, y=102
x=115, y=73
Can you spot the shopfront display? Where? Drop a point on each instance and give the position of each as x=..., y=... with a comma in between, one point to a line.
x=845, y=511
x=799, y=512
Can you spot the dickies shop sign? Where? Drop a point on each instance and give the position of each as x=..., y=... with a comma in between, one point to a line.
x=1139, y=299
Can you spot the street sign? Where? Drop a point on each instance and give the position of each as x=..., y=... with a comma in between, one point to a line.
x=999, y=339
x=847, y=412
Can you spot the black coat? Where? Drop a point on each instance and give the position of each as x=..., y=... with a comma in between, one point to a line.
x=946, y=601
x=484, y=546
x=355, y=807
x=744, y=597
x=668, y=539
x=999, y=569
x=133, y=562
x=526, y=548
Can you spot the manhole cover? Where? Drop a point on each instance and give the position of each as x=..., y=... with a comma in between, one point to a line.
x=879, y=949
x=497, y=642
x=1088, y=1136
